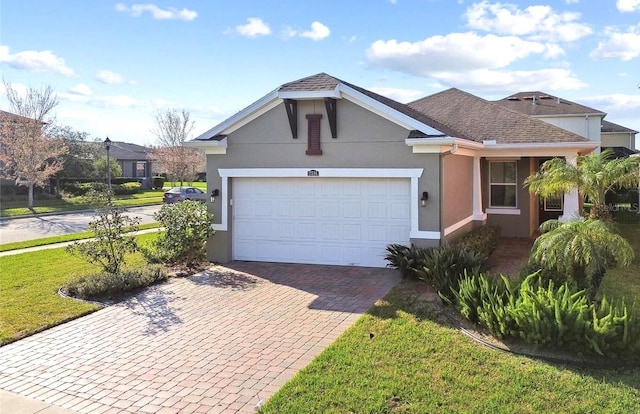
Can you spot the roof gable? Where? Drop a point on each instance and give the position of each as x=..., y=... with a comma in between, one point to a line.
x=479, y=120
x=320, y=86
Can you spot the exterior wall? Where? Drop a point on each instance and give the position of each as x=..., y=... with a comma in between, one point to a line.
x=457, y=189
x=618, y=140
x=513, y=225
x=364, y=140
x=588, y=127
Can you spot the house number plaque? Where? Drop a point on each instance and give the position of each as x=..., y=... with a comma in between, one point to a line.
x=313, y=173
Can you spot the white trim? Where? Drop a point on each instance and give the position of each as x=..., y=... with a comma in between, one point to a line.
x=458, y=225
x=427, y=235
x=413, y=173
x=504, y=211
x=307, y=95
x=323, y=172
x=385, y=111
x=477, y=189
x=215, y=150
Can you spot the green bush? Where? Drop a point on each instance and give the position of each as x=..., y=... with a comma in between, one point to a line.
x=183, y=243
x=81, y=189
x=543, y=314
x=483, y=239
x=126, y=188
x=158, y=182
x=404, y=259
x=443, y=267
x=111, y=241
x=104, y=285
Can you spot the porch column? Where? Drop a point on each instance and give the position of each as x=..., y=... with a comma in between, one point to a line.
x=571, y=205
x=478, y=215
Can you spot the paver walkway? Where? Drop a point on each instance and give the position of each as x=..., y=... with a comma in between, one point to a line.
x=220, y=341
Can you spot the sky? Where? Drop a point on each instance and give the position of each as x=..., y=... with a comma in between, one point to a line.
x=114, y=64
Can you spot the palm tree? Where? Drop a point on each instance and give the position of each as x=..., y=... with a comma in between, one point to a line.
x=593, y=176
x=583, y=248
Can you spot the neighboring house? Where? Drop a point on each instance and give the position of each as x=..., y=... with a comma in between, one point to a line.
x=323, y=171
x=134, y=160
x=574, y=117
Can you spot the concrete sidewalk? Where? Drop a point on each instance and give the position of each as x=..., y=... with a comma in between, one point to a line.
x=11, y=403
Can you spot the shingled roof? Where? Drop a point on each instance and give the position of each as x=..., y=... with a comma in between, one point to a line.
x=541, y=103
x=478, y=120
x=613, y=128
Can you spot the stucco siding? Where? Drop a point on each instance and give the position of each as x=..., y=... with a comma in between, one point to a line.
x=364, y=140
x=457, y=189
x=617, y=140
x=588, y=127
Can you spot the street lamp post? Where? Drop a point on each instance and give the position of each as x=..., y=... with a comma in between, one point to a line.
x=107, y=146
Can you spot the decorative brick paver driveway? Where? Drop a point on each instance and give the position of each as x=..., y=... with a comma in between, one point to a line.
x=219, y=341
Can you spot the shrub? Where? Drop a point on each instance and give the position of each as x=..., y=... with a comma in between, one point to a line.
x=443, y=267
x=187, y=227
x=544, y=314
x=111, y=242
x=126, y=188
x=158, y=182
x=404, y=258
x=483, y=239
x=104, y=285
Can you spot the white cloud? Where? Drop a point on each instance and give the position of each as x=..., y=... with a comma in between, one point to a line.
x=620, y=45
x=318, y=32
x=254, y=27
x=81, y=89
x=502, y=80
x=398, y=94
x=453, y=52
x=157, y=13
x=537, y=22
x=627, y=6
x=109, y=101
x=112, y=78
x=35, y=61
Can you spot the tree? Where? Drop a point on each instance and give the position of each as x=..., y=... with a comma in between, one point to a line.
x=583, y=249
x=112, y=239
x=100, y=168
x=172, y=129
x=594, y=175
x=81, y=155
x=28, y=152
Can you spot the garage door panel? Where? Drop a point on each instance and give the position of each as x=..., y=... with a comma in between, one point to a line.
x=319, y=220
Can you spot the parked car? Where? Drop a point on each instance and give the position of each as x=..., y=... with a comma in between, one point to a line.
x=184, y=193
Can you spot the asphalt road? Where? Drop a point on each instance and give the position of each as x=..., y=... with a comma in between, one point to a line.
x=29, y=228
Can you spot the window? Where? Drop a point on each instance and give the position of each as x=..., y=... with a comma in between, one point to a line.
x=503, y=184
x=553, y=203
x=141, y=169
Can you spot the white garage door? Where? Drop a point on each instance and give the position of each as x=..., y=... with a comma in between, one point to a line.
x=342, y=221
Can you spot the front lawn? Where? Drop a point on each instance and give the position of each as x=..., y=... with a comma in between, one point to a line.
x=29, y=283
x=15, y=206
x=417, y=362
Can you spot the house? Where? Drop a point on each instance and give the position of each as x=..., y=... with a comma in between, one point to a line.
x=574, y=117
x=134, y=160
x=323, y=171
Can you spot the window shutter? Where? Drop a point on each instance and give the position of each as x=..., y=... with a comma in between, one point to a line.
x=313, y=131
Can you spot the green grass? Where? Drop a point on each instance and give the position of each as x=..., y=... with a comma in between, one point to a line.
x=16, y=205
x=60, y=239
x=417, y=362
x=198, y=184
x=29, y=283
